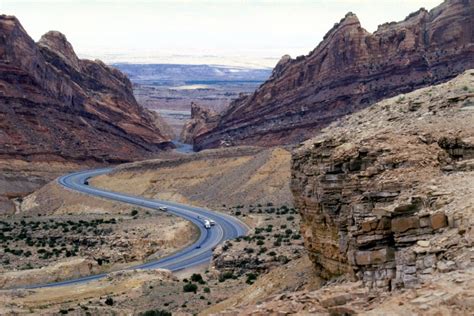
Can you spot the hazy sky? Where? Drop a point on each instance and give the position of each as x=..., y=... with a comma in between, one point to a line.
x=196, y=28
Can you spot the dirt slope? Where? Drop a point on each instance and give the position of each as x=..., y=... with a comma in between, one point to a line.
x=226, y=176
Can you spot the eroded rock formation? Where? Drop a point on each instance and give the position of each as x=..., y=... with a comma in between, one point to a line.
x=386, y=194
x=202, y=121
x=55, y=106
x=350, y=70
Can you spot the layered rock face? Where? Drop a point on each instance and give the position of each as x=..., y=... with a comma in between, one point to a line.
x=54, y=106
x=202, y=120
x=349, y=70
x=386, y=195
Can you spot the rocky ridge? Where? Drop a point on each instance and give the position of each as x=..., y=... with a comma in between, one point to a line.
x=348, y=71
x=386, y=194
x=55, y=106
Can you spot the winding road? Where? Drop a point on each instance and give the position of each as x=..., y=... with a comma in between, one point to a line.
x=226, y=227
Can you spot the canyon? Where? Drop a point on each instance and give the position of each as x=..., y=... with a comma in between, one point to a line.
x=348, y=71
x=351, y=168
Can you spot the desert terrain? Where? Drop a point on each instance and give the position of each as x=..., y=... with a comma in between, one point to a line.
x=341, y=183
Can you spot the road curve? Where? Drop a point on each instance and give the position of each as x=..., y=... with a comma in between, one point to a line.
x=226, y=227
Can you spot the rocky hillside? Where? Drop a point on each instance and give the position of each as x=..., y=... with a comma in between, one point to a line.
x=54, y=106
x=386, y=196
x=349, y=70
x=387, y=204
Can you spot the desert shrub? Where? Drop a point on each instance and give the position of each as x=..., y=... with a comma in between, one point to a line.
x=249, y=250
x=196, y=277
x=109, y=301
x=225, y=276
x=283, y=259
x=251, y=277
x=190, y=287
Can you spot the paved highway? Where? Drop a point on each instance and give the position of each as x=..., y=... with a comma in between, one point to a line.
x=226, y=227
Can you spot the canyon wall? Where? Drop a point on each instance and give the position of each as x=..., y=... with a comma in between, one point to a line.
x=349, y=70
x=57, y=107
x=386, y=194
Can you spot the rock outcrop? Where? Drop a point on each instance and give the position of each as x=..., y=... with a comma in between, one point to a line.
x=386, y=195
x=202, y=121
x=348, y=71
x=55, y=106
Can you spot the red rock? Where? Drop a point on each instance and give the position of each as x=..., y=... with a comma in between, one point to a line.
x=349, y=70
x=438, y=220
x=402, y=224
x=54, y=106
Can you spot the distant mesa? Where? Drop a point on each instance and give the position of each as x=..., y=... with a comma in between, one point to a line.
x=348, y=71
x=55, y=106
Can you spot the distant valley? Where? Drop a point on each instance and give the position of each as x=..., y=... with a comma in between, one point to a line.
x=170, y=89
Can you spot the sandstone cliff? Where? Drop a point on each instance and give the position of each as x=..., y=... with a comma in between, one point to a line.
x=202, y=120
x=54, y=106
x=386, y=195
x=349, y=70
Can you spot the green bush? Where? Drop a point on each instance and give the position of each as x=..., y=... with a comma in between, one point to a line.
x=196, y=277
x=251, y=277
x=225, y=276
x=190, y=287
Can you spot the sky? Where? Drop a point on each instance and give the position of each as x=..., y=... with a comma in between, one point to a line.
x=247, y=32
